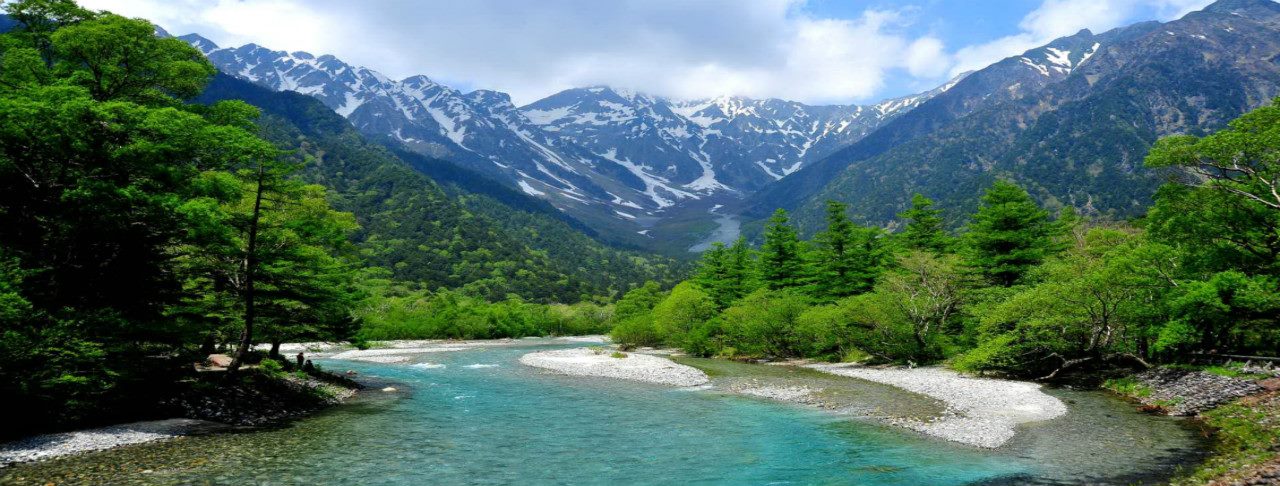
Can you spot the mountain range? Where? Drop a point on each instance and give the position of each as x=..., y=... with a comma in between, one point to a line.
x=616, y=159
x=1070, y=120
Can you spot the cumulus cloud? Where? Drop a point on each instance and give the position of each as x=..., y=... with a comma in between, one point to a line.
x=1058, y=18
x=677, y=48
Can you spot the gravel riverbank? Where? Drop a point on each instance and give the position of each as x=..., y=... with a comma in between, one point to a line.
x=603, y=363
x=49, y=446
x=981, y=412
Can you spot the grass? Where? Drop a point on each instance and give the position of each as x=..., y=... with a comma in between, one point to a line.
x=1248, y=434
x=1230, y=370
x=1127, y=386
x=618, y=354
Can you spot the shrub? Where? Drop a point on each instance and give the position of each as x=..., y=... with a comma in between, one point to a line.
x=763, y=323
x=636, y=332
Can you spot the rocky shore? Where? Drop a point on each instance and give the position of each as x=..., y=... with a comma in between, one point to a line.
x=209, y=404
x=1187, y=392
x=979, y=411
x=49, y=446
x=612, y=364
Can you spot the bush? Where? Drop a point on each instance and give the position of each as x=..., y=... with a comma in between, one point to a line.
x=684, y=309
x=636, y=332
x=763, y=323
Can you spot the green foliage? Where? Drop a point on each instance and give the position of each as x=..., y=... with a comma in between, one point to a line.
x=924, y=226
x=639, y=301
x=1009, y=235
x=848, y=257
x=396, y=310
x=728, y=273
x=637, y=331
x=781, y=261
x=763, y=323
x=686, y=308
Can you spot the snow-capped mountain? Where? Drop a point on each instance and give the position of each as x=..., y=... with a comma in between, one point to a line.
x=590, y=151
x=481, y=130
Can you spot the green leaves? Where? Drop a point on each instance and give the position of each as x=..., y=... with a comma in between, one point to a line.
x=120, y=58
x=1009, y=235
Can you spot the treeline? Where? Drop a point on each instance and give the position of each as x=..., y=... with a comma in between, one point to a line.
x=1017, y=291
x=401, y=310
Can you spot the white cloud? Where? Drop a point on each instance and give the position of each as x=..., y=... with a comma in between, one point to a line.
x=759, y=48
x=762, y=48
x=1058, y=18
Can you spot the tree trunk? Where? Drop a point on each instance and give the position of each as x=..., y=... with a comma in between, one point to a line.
x=250, y=268
x=275, y=349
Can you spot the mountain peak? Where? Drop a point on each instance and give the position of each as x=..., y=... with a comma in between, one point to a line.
x=1245, y=7
x=199, y=42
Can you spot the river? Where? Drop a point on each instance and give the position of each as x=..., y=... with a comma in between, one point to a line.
x=479, y=417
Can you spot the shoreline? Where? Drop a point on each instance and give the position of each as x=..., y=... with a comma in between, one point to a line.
x=252, y=402
x=62, y=444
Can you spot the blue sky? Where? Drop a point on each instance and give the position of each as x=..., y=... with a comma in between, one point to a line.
x=815, y=51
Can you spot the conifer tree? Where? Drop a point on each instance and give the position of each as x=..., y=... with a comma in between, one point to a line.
x=848, y=256
x=1009, y=235
x=924, y=229
x=781, y=262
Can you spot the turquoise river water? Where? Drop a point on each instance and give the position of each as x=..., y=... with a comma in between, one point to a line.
x=482, y=418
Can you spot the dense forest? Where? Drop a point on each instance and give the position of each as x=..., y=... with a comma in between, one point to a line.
x=153, y=214
x=1017, y=292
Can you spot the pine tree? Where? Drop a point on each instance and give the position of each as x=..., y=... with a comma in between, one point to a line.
x=1009, y=235
x=781, y=262
x=849, y=256
x=924, y=230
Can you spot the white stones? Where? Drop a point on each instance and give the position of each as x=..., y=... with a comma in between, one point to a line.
x=636, y=367
x=981, y=412
x=66, y=443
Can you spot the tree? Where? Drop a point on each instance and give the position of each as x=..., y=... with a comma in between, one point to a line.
x=848, y=256
x=122, y=59
x=1243, y=160
x=924, y=229
x=926, y=289
x=685, y=308
x=1090, y=304
x=781, y=263
x=1009, y=235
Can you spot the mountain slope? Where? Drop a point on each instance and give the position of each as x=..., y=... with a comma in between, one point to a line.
x=443, y=236
x=1077, y=138
x=620, y=162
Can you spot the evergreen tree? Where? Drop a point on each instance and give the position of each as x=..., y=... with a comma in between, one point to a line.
x=1009, y=235
x=848, y=256
x=725, y=273
x=781, y=261
x=924, y=229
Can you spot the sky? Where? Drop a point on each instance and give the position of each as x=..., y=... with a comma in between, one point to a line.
x=813, y=51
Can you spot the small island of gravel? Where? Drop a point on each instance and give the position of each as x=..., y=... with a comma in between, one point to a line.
x=980, y=411
x=629, y=366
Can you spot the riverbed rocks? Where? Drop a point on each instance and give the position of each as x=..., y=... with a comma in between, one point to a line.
x=608, y=364
x=980, y=411
x=49, y=446
x=1187, y=392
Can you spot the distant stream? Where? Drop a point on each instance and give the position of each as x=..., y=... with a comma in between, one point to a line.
x=727, y=231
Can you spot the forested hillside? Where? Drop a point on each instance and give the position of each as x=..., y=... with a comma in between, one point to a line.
x=1073, y=133
x=492, y=243
x=1021, y=290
